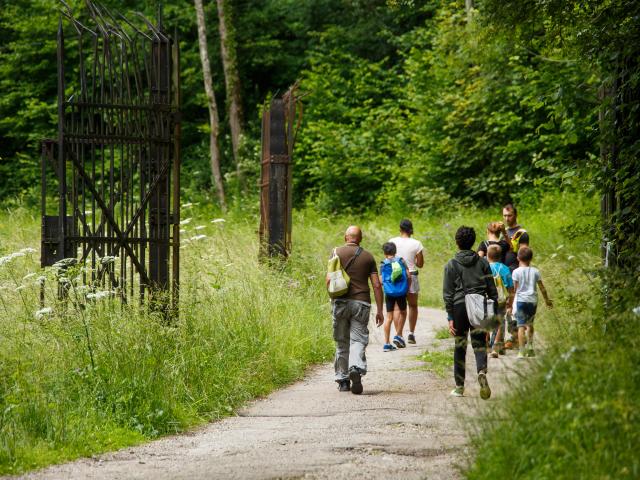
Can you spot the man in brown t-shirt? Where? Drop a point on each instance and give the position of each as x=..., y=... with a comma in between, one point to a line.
x=351, y=312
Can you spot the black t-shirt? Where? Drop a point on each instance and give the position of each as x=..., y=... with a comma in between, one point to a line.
x=503, y=244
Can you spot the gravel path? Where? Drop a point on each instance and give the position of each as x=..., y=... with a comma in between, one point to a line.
x=404, y=423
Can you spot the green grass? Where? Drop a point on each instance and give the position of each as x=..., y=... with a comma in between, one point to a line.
x=443, y=333
x=84, y=380
x=439, y=362
x=246, y=328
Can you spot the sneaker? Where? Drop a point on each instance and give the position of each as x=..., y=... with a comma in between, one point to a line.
x=457, y=392
x=344, y=385
x=494, y=354
x=521, y=354
x=508, y=345
x=399, y=341
x=388, y=347
x=411, y=339
x=356, y=382
x=485, y=391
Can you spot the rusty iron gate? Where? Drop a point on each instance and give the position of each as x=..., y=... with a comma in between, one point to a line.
x=279, y=126
x=110, y=180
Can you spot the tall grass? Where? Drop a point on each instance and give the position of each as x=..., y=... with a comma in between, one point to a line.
x=92, y=375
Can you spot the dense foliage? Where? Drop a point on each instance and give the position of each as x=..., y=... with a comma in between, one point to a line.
x=456, y=109
x=409, y=102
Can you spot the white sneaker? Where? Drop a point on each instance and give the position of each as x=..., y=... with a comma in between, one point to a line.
x=457, y=392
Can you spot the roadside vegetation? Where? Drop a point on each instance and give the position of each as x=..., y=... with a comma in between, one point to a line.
x=89, y=375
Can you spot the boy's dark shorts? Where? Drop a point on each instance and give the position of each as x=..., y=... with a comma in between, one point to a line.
x=526, y=313
x=390, y=303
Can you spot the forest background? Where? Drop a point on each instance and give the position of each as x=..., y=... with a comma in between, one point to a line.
x=410, y=107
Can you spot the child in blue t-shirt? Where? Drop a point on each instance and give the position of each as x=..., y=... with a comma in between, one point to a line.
x=526, y=278
x=395, y=286
x=504, y=285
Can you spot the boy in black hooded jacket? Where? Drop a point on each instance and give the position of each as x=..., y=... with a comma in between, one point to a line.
x=468, y=268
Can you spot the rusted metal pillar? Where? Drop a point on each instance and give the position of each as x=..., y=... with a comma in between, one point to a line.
x=276, y=185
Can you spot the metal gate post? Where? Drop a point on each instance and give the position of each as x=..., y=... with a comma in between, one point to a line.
x=278, y=135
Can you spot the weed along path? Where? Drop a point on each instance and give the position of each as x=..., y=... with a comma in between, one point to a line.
x=404, y=423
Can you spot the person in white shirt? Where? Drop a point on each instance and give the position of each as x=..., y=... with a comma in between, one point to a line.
x=525, y=279
x=411, y=250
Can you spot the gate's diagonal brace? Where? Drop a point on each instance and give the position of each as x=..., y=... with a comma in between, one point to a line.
x=147, y=197
x=105, y=209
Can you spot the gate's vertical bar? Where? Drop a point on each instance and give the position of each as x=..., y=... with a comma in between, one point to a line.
x=176, y=176
x=46, y=146
x=62, y=171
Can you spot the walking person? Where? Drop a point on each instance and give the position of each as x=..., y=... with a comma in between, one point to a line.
x=525, y=279
x=517, y=235
x=467, y=273
x=350, y=312
x=497, y=235
x=411, y=250
x=504, y=286
x=396, y=281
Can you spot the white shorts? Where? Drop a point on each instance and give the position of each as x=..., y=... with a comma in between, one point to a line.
x=415, y=283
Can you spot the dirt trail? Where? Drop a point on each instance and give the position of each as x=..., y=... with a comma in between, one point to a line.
x=404, y=423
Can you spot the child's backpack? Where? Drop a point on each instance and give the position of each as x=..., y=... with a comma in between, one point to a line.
x=395, y=278
x=503, y=293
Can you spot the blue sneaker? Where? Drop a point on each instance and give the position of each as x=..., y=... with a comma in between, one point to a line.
x=399, y=341
x=388, y=347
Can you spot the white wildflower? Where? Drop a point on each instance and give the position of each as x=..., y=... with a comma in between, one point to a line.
x=107, y=260
x=65, y=262
x=198, y=237
x=40, y=280
x=28, y=250
x=20, y=287
x=636, y=310
x=187, y=205
x=218, y=220
x=228, y=265
x=200, y=227
x=28, y=276
x=185, y=221
x=571, y=257
x=42, y=312
x=183, y=231
x=99, y=294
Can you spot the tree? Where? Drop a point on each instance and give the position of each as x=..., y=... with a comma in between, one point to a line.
x=232, y=79
x=211, y=100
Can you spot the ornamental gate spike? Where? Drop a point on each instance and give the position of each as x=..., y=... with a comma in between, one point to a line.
x=111, y=178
